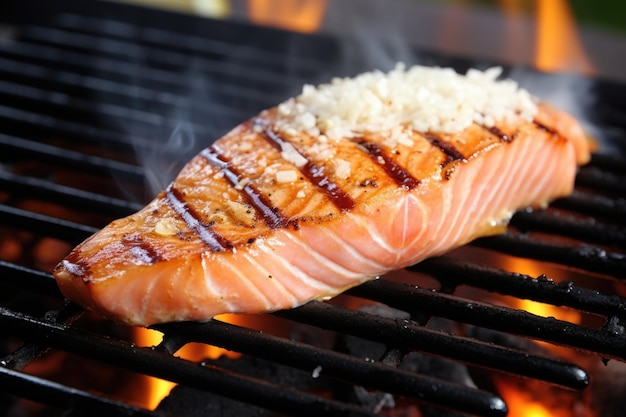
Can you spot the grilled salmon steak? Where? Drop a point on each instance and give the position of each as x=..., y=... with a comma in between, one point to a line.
x=329, y=189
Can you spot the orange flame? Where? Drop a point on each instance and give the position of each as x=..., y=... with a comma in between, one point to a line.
x=299, y=15
x=535, y=269
x=522, y=404
x=155, y=388
x=558, y=46
x=534, y=399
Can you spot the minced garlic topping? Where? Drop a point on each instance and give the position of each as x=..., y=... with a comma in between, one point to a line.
x=166, y=227
x=286, y=176
x=421, y=98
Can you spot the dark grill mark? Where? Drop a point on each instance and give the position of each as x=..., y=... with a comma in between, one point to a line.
x=315, y=174
x=210, y=237
x=401, y=176
x=497, y=132
x=76, y=265
x=545, y=128
x=451, y=152
x=141, y=249
x=272, y=217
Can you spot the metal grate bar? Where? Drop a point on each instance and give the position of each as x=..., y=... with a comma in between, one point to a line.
x=32, y=124
x=64, y=397
x=69, y=158
x=301, y=67
x=412, y=299
x=594, y=204
x=28, y=186
x=584, y=257
x=29, y=279
x=145, y=360
x=355, y=370
x=542, y=289
x=586, y=229
x=597, y=179
x=87, y=97
x=53, y=102
x=47, y=225
x=157, y=57
x=133, y=73
x=130, y=96
x=403, y=333
x=614, y=162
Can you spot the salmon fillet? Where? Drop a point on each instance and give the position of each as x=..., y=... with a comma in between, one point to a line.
x=273, y=215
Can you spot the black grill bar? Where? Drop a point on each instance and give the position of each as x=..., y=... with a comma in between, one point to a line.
x=121, y=71
x=597, y=179
x=542, y=289
x=29, y=279
x=412, y=299
x=584, y=257
x=64, y=397
x=162, y=58
x=69, y=158
x=152, y=362
x=299, y=355
x=18, y=121
x=304, y=65
x=119, y=86
x=161, y=91
x=357, y=371
x=613, y=162
x=593, y=204
x=28, y=220
x=585, y=229
x=403, y=333
x=24, y=186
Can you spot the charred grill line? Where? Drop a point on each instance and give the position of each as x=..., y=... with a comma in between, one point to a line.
x=194, y=221
x=141, y=249
x=446, y=147
x=401, y=176
x=494, y=130
x=313, y=172
x=271, y=214
x=545, y=128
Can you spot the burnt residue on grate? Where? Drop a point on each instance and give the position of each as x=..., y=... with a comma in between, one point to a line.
x=94, y=104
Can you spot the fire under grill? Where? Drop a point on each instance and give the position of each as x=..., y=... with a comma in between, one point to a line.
x=96, y=100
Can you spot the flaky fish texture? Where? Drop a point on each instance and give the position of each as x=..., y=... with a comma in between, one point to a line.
x=268, y=219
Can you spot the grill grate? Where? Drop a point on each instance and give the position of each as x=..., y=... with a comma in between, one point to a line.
x=84, y=90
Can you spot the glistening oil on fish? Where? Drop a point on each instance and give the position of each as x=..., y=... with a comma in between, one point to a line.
x=327, y=190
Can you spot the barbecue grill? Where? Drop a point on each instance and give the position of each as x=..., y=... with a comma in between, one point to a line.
x=87, y=90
